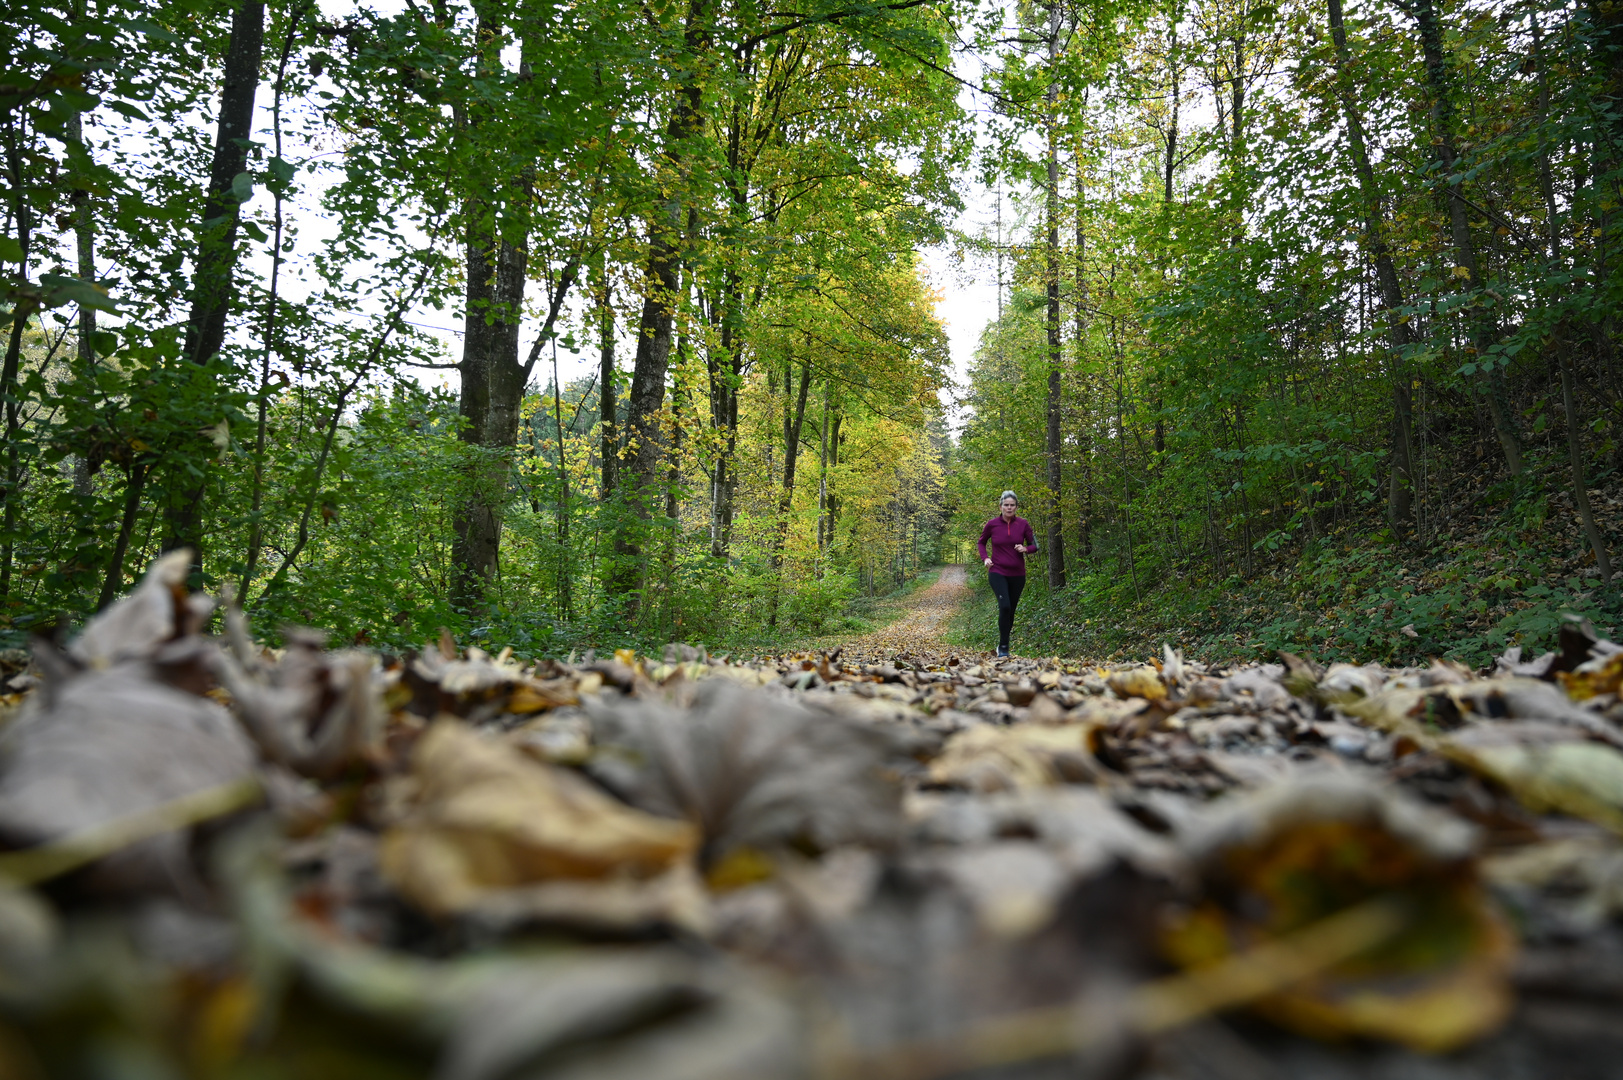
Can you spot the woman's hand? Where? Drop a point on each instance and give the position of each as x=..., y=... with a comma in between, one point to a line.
x=988, y=563
x=1021, y=548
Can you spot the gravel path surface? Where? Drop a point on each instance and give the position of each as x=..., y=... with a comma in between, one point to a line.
x=925, y=617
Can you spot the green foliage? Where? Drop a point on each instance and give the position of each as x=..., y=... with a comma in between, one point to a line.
x=317, y=474
x=1230, y=385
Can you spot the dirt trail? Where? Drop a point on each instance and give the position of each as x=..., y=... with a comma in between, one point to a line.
x=924, y=619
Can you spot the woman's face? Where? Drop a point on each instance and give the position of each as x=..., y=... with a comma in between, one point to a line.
x=1009, y=507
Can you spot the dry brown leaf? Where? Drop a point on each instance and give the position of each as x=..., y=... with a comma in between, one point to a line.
x=487, y=818
x=1298, y=853
x=156, y=611
x=108, y=744
x=987, y=758
x=752, y=769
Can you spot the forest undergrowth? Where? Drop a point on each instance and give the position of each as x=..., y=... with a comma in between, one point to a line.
x=1511, y=565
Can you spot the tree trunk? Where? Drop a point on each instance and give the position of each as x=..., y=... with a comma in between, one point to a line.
x=1177, y=93
x=1575, y=456
x=608, y=419
x=822, y=485
x=256, y=534
x=84, y=230
x=565, y=601
x=792, y=423
x=215, y=259
x=493, y=376
x=216, y=247
x=1400, y=482
x=492, y=391
x=644, y=444
x=1082, y=319
x=1442, y=119
x=113, y=583
x=1055, y=540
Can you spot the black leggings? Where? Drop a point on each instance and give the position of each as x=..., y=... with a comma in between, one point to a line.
x=1007, y=590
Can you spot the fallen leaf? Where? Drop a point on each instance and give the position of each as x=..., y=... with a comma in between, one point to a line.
x=1298, y=853
x=486, y=819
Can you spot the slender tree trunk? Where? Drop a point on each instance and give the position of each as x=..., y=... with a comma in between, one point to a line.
x=1126, y=493
x=1400, y=481
x=1055, y=539
x=217, y=234
x=608, y=419
x=1081, y=331
x=84, y=230
x=1173, y=15
x=22, y=219
x=1575, y=455
x=834, y=465
x=673, y=471
x=113, y=583
x=726, y=374
x=792, y=423
x=822, y=485
x=644, y=446
x=256, y=536
x=565, y=562
x=216, y=256
x=1447, y=155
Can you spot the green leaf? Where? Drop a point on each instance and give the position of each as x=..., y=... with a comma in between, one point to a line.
x=125, y=109
x=242, y=187
x=254, y=232
x=282, y=170
x=60, y=289
x=10, y=250
x=151, y=30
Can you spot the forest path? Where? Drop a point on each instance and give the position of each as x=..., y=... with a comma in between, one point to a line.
x=917, y=632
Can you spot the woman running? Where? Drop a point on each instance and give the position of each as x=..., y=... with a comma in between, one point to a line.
x=1005, y=542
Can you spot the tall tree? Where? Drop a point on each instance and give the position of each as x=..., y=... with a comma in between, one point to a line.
x=1400, y=340
x=184, y=483
x=1446, y=156
x=1055, y=539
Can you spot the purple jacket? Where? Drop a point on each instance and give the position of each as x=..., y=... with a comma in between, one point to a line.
x=998, y=538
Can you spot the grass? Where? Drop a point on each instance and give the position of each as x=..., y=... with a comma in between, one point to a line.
x=1509, y=575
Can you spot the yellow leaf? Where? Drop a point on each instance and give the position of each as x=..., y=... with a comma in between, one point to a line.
x=739, y=867
x=1584, y=779
x=488, y=818
x=1142, y=682
x=533, y=696
x=1581, y=685
x=1299, y=854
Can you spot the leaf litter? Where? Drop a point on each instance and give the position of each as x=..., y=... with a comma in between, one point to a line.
x=889, y=860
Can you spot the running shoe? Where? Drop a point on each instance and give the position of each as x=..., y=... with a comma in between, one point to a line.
x=1002, y=652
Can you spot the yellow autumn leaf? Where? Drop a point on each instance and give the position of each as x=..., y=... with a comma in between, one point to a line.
x=487, y=818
